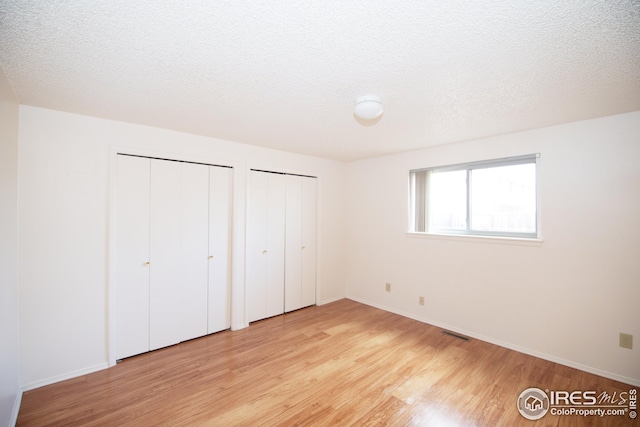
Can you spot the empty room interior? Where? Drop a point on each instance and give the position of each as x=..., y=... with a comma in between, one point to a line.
x=320, y=213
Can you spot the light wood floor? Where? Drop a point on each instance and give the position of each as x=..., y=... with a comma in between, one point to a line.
x=339, y=364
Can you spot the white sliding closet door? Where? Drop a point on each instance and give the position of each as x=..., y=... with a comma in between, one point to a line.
x=172, y=252
x=256, y=246
x=165, y=224
x=132, y=254
x=309, y=241
x=265, y=244
x=275, y=244
x=193, y=286
x=293, y=245
x=219, y=297
x=300, y=243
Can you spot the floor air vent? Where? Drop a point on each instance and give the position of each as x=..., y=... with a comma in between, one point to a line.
x=453, y=334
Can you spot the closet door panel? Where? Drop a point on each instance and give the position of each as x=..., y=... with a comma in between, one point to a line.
x=309, y=242
x=195, y=249
x=256, y=246
x=132, y=254
x=165, y=300
x=276, y=214
x=219, y=307
x=293, y=244
x=265, y=244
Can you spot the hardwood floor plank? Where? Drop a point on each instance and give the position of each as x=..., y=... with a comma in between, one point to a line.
x=342, y=363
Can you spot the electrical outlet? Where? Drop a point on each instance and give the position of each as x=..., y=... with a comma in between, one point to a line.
x=421, y=300
x=388, y=287
x=626, y=340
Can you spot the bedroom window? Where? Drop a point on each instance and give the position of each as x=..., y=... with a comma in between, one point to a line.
x=487, y=198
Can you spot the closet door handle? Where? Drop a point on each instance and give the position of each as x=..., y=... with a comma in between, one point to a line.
x=264, y=252
x=210, y=256
x=147, y=264
x=303, y=248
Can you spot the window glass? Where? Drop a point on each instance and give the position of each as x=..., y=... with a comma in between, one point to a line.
x=448, y=200
x=503, y=199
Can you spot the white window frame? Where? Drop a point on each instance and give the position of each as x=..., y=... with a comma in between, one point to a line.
x=419, y=193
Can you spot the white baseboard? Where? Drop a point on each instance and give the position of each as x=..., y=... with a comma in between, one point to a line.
x=330, y=300
x=66, y=376
x=16, y=409
x=530, y=352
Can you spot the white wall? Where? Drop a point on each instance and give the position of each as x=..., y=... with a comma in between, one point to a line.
x=10, y=392
x=64, y=190
x=565, y=299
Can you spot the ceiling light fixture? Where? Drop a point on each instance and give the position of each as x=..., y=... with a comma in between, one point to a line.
x=368, y=107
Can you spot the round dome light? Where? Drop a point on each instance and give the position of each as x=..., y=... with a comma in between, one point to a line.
x=368, y=107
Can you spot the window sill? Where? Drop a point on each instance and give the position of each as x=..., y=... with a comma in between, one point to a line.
x=518, y=241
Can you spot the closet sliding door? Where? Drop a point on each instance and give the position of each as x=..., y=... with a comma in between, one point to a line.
x=165, y=254
x=300, y=260
x=265, y=244
x=309, y=242
x=219, y=293
x=281, y=243
x=193, y=287
x=172, y=252
x=132, y=256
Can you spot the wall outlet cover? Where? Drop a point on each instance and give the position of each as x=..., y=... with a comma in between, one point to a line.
x=626, y=340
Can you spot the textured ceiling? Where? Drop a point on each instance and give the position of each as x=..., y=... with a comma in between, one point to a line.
x=284, y=74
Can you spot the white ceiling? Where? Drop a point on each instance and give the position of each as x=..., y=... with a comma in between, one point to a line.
x=284, y=74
